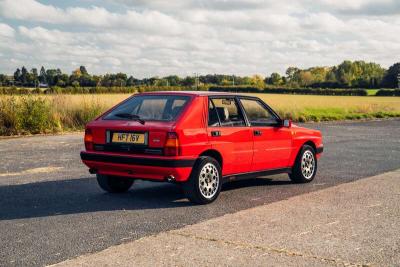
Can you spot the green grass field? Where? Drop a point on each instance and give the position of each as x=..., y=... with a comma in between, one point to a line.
x=58, y=113
x=372, y=92
x=327, y=108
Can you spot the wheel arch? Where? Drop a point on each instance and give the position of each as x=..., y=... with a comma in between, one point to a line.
x=310, y=143
x=297, y=148
x=214, y=154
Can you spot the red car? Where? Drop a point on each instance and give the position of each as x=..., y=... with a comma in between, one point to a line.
x=197, y=139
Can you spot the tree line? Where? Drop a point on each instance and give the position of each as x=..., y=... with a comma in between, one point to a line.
x=348, y=74
x=357, y=74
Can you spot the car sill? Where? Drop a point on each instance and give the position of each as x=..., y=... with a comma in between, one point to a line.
x=247, y=175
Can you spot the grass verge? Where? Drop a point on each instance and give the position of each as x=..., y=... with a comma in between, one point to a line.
x=33, y=114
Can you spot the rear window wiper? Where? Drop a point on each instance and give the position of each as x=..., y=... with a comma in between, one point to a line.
x=130, y=116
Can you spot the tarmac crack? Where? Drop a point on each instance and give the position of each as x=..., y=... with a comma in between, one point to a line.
x=270, y=249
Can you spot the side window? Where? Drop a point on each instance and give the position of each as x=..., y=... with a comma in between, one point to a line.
x=227, y=112
x=257, y=114
x=212, y=115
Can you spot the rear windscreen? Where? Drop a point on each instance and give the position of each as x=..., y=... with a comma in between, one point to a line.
x=150, y=107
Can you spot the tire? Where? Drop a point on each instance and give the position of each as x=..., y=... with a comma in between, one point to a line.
x=204, y=184
x=305, y=166
x=114, y=184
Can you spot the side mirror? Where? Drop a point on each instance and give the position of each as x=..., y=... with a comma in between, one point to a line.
x=287, y=123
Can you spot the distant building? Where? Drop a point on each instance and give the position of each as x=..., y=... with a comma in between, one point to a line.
x=43, y=85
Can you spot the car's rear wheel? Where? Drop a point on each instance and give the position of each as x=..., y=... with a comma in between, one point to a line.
x=114, y=184
x=305, y=167
x=204, y=184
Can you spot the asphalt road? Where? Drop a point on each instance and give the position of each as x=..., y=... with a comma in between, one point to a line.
x=51, y=209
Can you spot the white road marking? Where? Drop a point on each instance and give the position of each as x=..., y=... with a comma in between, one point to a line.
x=32, y=171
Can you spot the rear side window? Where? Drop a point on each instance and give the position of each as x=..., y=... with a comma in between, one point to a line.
x=224, y=112
x=150, y=107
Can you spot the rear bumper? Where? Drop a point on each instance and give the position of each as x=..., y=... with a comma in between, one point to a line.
x=319, y=151
x=146, y=168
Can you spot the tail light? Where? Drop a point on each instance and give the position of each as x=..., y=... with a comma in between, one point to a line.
x=88, y=139
x=171, y=147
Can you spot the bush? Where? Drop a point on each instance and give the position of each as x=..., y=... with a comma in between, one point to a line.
x=35, y=115
x=388, y=92
x=241, y=89
x=26, y=115
x=9, y=119
x=320, y=91
x=95, y=90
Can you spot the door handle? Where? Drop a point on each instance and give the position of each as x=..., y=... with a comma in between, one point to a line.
x=215, y=133
x=257, y=132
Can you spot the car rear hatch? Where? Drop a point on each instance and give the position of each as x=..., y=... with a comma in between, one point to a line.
x=142, y=124
x=130, y=136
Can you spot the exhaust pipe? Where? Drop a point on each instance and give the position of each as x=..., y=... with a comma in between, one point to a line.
x=92, y=171
x=170, y=178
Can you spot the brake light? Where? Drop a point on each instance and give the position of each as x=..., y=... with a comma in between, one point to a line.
x=171, y=147
x=88, y=139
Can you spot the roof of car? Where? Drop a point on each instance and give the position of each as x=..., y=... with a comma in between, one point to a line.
x=196, y=93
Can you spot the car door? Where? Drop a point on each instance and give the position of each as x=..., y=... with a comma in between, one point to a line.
x=229, y=134
x=272, y=142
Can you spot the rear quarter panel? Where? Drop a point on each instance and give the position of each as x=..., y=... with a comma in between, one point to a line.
x=191, y=128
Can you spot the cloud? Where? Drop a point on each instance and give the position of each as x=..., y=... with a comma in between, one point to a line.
x=6, y=31
x=152, y=21
x=158, y=37
x=362, y=7
x=30, y=10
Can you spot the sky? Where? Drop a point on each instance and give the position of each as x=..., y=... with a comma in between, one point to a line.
x=147, y=38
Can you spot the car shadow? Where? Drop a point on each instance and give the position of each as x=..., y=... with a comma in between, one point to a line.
x=83, y=195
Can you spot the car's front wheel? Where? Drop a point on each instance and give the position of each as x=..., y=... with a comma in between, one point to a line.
x=204, y=184
x=305, y=167
x=114, y=184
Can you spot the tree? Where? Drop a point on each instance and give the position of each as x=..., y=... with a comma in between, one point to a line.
x=226, y=82
x=42, y=76
x=318, y=74
x=77, y=72
x=24, y=76
x=188, y=81
x=305, y=78
x=34, y=72
x=75, y=84
x=3, y=80
x=359, y=74
x=274, y=79
x=331, y=76
x=161, y=82
x=51, y=77
x=257, y=81
x=246, y=81
x=131, y=81
x=291, y=72
x=33, y=77
x=83, y=70
x=17, y=75
x=173, y=80
x=391, y=79
x=97, y=79
x=86, y=80
x=209, y=79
